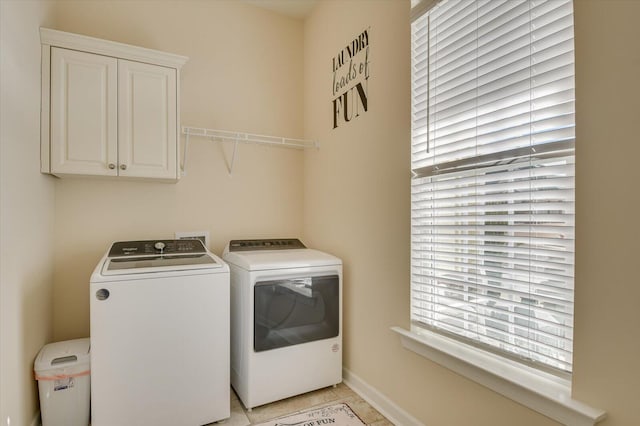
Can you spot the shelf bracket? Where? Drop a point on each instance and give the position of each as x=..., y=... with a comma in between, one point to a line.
x=233, y=157
x=184, y=155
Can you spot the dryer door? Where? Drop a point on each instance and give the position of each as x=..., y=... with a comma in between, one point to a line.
x=294, y=311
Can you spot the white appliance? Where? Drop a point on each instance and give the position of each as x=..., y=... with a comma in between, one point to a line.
x=159, y=335
x=286, y=319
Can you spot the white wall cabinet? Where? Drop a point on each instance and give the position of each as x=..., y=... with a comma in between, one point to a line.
x=84, y=113
x=108, y=109
x=147, y=128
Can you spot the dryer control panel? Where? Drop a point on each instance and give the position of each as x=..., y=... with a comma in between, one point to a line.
x=266, y=244
x=155, y=247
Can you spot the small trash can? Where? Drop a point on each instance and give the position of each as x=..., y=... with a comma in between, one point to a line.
x=62, y=370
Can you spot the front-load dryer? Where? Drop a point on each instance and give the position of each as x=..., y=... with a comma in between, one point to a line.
x=286, y=319
x=159, y=335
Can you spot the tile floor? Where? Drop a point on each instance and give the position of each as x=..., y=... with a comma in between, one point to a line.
x=322, y=397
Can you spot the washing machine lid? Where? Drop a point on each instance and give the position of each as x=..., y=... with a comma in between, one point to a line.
x=139, y=257
x=260, y=255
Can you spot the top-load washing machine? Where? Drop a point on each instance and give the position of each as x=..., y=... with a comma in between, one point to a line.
x=286, y=319
x=159, y=335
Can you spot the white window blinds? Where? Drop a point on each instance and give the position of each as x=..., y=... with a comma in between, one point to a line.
x=493, y=188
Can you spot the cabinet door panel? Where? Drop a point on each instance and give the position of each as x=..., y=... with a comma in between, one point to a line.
x=83, y=113
x=147, y=120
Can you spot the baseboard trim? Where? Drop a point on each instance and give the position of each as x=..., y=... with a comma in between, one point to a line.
x=377, y=400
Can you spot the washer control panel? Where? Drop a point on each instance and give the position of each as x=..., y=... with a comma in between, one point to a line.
x=266, y=244
x=156, y=247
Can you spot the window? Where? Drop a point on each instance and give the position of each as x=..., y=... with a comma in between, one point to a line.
x=492, y=194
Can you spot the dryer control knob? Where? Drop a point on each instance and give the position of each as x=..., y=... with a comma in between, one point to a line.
x=159, y=245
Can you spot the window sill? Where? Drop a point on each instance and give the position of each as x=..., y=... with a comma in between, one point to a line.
x=542, y=392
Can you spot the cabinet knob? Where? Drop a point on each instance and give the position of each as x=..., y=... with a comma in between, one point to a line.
x=123, y=167
x=112, y=166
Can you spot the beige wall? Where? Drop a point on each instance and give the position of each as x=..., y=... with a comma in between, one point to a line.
x=357, y=206
x=244, y=74
x=248, y=71
x=26, y=212
x=357, y=185
x=607, y=317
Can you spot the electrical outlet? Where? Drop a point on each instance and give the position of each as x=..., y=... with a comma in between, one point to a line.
x=200, y=235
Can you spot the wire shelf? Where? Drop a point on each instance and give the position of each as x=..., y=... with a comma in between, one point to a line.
x=241, y=137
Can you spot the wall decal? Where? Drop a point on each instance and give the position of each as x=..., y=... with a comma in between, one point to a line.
x=351, y=79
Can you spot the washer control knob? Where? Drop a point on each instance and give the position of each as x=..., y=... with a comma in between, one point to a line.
x=159, y=245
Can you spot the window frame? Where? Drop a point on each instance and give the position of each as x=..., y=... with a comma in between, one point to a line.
x=546, y=393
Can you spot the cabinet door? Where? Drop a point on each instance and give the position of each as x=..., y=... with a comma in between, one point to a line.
x=147, y=120
x=84, y=126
